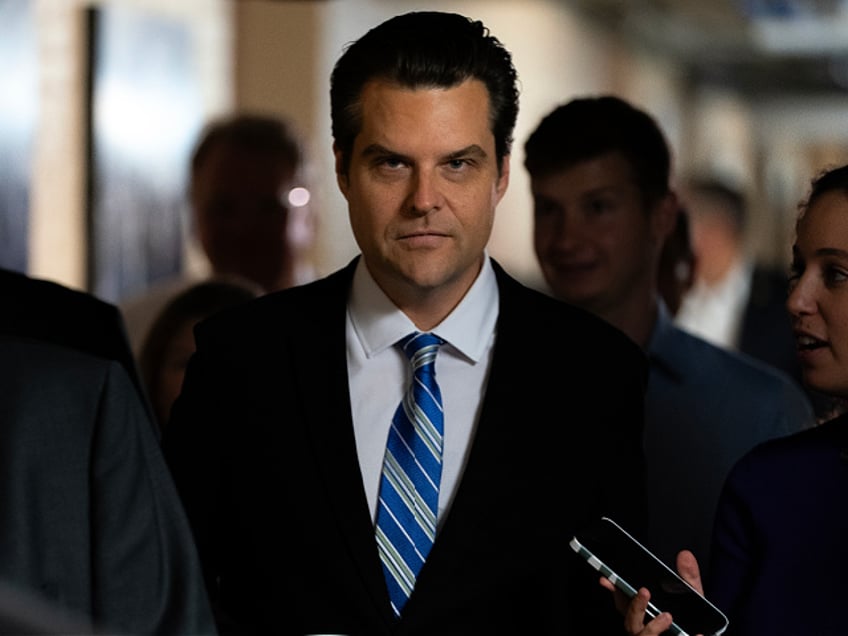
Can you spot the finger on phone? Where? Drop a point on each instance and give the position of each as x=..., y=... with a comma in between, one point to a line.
x=634, y=618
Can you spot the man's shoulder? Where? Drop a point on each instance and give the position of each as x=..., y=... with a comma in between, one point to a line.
x=702, y=363
x=34, y=294
x=534, y=320
x=520, y=301
x=43, y=309
x=696, y=352
x=300, y=308
x=49, y=376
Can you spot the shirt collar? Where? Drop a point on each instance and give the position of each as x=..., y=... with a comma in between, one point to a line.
x=379, y=324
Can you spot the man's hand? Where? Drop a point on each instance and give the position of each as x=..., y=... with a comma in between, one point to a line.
x=634, y=609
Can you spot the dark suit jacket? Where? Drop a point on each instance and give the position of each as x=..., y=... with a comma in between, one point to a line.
x=262, y=449
x=780, y=548
x=89, y=517
x=48, y=311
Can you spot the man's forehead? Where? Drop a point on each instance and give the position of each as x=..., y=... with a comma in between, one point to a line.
x=443, y=120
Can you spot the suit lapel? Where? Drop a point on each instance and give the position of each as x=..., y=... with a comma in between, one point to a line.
x=322, y=364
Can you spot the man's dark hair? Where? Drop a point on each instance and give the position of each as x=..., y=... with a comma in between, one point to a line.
x=589, y=127
x=427, y=49
x=261, y=134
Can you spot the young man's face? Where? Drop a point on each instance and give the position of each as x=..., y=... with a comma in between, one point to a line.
x=597, y=245
x=422, y=187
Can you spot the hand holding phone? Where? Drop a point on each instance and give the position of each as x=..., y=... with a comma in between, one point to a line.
x=629, y=565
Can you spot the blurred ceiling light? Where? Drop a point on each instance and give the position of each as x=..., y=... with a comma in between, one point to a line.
x=298, y=197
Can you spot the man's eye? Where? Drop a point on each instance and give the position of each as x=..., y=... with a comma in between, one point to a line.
x=391, y=162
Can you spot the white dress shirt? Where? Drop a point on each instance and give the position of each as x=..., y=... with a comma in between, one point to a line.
x=715, y=312
x=379, y=373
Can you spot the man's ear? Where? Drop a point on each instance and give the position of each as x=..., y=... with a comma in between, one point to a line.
x=341, y=174
x=664, y=217
x=503, y=178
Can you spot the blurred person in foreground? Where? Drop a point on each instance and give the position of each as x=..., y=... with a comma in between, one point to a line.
x=90, y=521
x=251, y=213
x=46, y=310
x=600, y=173
x=283, y=442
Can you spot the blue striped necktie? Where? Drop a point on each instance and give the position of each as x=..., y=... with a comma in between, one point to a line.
x=412, y=470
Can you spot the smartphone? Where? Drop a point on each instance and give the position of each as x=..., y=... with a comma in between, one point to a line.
x=629, y=565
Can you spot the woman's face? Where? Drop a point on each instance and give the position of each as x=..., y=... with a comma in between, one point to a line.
x=818, y=298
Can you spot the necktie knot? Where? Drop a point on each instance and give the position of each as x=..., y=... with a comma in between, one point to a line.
x=419, y=341
x=421, y=349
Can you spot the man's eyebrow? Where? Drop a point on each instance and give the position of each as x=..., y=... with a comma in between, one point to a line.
x=831, y=251
x=373, y=150
x=472, y=150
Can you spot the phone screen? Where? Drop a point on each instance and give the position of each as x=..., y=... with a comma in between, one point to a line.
x=629, y=565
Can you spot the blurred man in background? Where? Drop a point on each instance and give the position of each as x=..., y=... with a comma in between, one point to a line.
x=600, y=172
x=250, y=212
x=735, y=302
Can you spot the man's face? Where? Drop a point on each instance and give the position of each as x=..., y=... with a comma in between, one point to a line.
x=596, y=244
x=422, y=187
x=242, y=215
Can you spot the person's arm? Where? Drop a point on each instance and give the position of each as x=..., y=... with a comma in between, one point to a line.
x=147, y=576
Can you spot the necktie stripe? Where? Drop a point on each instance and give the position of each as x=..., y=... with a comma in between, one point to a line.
x=404, y=577
x=410, y=460
x=402, y=512
x=427, y=433
x=407, y=548
x=417, y=483
x=412, y=469
x=404, y=486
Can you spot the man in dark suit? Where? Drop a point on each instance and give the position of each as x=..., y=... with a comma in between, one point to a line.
x=90, y=522
x=277, y=441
